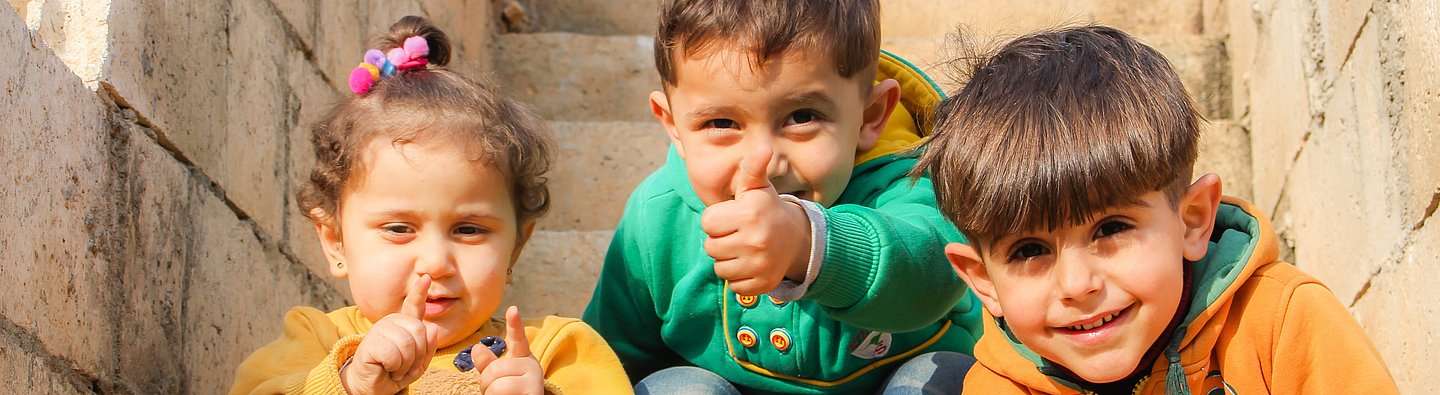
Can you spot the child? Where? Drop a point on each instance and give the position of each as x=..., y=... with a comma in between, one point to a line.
x=1066, y=161
x=427, y=185
x=781, y=247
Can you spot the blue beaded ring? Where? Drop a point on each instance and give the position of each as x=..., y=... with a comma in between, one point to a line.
x=465, y=363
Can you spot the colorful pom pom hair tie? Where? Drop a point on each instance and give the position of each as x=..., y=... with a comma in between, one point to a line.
x=409, y=56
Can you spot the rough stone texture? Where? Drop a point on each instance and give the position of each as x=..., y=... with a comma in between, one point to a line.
x=56, y=277
x=75, y=30
x=33, y=371
x=1281, y=121
x=312, y=98
x=623, y=17
x=599, y=164
x=921, y=18
x=570, y=77
x=1399, y=312
x=1225, y=151
x=557, y=272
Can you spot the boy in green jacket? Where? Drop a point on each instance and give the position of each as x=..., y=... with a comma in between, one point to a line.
x=781, y=248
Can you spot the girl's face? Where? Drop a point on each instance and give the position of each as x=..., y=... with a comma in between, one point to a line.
x=422, y=208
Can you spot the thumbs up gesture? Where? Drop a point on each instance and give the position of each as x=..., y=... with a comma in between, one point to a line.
x=757, y=239
x=517, y=371
x=397, y=349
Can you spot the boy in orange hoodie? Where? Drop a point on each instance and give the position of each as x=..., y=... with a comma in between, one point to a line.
x=1067, y=161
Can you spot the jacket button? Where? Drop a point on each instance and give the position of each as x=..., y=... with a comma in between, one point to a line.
x=746, y=337
x=746, y=300
x=780, y=339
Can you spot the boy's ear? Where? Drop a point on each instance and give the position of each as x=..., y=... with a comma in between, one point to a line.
x=971, y=268
x=660, y=107
x=1197, y=210
x=884, y=96
x=327, y=228
x=526, y=229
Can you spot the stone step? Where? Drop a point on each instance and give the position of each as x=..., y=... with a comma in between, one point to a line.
x=577, y=77
x=930, y=18
x=557, y=272
x=1199, y=60
x=609, y=17
x=597, y=166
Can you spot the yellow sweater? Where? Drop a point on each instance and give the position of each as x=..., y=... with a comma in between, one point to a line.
x=307, y=358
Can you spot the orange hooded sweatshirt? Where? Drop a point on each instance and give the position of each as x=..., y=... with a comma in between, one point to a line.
x=1254, y=325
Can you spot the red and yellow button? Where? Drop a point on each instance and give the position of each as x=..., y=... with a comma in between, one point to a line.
x=746, y=300
x=780, y=339
x=746, y=336
x=776, y=302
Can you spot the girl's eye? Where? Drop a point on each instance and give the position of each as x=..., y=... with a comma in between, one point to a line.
x=1028, y=250
x=471, y=230
x=802, y=117
x=720, y=124
x=1110, y=228
x=398, y=228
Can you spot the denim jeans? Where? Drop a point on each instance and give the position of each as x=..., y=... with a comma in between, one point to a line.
x=941, y=372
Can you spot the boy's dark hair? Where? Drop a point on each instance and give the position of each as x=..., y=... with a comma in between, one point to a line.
x=1056, y=126
x=846, y=31
x=429, y=103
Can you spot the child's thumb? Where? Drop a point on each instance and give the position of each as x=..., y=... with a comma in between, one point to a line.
x=755, y=170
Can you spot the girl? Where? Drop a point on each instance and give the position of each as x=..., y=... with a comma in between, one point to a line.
x=426, y=187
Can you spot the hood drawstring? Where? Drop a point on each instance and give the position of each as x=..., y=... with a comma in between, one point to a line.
x=1175, y=375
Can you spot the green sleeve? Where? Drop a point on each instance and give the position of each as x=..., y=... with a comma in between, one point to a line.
x=885, y=266
x=623, y=309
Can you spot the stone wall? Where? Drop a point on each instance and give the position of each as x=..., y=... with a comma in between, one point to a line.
x=151, y=152
x=1342, y=99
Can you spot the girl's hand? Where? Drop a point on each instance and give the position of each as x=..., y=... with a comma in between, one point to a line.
x=397, y=349
x=517, y=372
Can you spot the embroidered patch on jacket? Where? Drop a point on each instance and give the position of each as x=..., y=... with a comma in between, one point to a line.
x=870, y=345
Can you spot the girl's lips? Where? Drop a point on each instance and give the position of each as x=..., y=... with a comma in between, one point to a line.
x=438, y=306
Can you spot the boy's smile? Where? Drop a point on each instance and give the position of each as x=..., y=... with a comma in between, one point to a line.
x=814, y=120
x=1094, y=297
x=426, y=208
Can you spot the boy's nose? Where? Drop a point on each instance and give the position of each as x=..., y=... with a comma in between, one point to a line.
x=1076, y=278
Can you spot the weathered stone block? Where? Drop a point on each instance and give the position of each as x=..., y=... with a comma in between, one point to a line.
x=1343, y=20
x=1225, y=151
x=1412, y=67
x=239, y=290
x=557, y=272
x=56, y=277
x=1152, y=18
x=1358, y=192
x=1399, y=313
x=469, y=25
x=311, y=99
x=597, y=166
x=922, y=19
x=1240, y=47
x=625, y=17
x=570, y=77
x=33, y=372
x=1281, y=120
x=76, y=30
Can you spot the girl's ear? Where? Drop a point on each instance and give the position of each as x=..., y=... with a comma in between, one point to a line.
x=884, y=96
x=971, y=268
x=660, y=107
x=1198, y=209
x=327, y=228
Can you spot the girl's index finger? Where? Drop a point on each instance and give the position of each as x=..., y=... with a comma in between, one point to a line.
x=519, y=345
x=414, y=304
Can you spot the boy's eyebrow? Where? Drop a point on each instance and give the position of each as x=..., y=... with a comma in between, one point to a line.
x=710, y=112
x=812, y=99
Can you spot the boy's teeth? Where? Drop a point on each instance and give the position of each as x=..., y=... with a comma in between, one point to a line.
x=1094, y=324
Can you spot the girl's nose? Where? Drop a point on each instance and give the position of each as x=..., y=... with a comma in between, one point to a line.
x=437, y=258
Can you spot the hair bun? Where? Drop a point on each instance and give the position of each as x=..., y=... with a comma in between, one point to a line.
x=412, y=26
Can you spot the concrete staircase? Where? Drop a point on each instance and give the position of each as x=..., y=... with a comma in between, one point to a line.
x=587, y=67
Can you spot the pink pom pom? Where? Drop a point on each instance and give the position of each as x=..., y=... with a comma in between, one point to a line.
x=361, y=80
x=397, y=57
x=417, y=47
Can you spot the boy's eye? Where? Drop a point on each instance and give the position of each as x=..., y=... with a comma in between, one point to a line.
x=802, y=117
x=1110, y=228
x=1028, y=250
x=720, y=124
